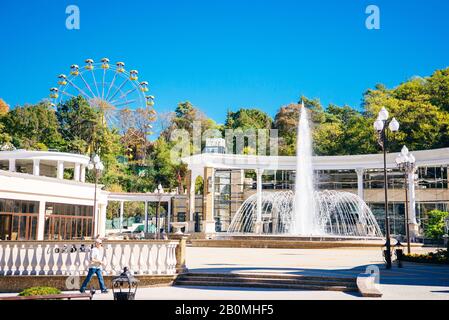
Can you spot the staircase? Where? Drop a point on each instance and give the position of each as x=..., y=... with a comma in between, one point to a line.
x=273, y=281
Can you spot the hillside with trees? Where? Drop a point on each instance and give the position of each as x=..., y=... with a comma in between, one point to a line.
x=133, y=163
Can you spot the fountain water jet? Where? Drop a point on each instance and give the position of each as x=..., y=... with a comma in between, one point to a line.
x=304, y=222
x=307, y=212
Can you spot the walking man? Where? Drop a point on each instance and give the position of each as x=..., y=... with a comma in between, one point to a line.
x=96, y=262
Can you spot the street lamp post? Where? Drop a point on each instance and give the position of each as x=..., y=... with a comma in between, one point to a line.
x=381, y=125
x=96, y=165
x=159, y=191
x=406, y=162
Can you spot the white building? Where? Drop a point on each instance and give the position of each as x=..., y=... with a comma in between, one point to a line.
x=38, y=201
x=229, y=179
x=44, y=196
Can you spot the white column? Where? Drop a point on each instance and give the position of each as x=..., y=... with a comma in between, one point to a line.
x=360, y=172
x=259, y=173
x=121, y=216
x=213, y=192
x=146, y=217
x=168, y=214
x=83, y=173
x=101, y=220
x=77, y=171
x=12, y=165
x=41, y=221
x=191, y=200
x=97, y=216
x=36, y=163
x=209, y=222
x=192, y=197
x=60, y=170
x=411, y=199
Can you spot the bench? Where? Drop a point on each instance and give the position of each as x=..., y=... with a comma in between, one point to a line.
x=367, y=286
x=68, y=296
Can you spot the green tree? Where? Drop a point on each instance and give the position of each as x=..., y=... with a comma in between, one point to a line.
x=85, y=131
x=423, y=125
x=33, y=127
x=437, y=87
x=287, y=119
x=248, y=119
x=5, y=138
x=165, y=172
x=434, y=226
x=343, y=131
x=286, y=122
x=80, y=125
x=184, y=118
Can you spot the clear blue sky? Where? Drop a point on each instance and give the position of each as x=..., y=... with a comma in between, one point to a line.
x=226, y=54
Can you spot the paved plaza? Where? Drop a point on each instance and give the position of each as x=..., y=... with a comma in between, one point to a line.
x=414, y=281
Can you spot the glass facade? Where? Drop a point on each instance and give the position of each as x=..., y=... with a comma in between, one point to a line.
x=271, y=180
x=222, y=200
x=423, y=208
x=18, y=219
x=68, y=221
x=335, y=179
x=432, y=178
x=396, y=216
x=374, y=179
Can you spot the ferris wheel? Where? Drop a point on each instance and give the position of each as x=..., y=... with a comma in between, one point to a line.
x=107, y=87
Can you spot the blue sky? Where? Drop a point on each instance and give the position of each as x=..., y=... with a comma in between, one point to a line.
x=226, y=54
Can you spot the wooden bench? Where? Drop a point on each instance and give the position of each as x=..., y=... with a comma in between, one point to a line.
x=68, y=296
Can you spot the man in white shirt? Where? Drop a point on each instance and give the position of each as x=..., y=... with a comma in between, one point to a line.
x=96, y=262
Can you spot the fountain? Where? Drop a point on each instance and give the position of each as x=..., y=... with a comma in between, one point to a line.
x=307, y=212
x=304, y=222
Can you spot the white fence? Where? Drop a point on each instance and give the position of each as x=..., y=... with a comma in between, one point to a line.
x=72, y=257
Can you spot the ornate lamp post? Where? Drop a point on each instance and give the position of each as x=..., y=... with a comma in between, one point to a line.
x=124, y=287
x=446, y=236
x=381, y=125
x=159, y=191
x=96, y=165
x=406, y=162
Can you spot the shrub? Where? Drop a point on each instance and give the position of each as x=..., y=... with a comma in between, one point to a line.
x=39, y=291
x=440, y=256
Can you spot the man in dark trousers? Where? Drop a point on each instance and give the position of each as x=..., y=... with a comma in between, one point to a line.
x=95, y=267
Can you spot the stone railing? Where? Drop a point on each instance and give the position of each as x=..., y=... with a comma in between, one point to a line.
x=34, y=258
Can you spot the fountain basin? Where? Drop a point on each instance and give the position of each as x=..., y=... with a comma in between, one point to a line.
x=338, y=215
x=289, y=242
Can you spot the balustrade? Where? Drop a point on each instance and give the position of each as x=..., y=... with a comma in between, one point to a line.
x=34, y=258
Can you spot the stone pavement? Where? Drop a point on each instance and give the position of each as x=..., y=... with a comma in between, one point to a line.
x=414, y=281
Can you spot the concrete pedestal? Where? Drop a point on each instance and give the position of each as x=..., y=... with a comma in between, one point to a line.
x=190, y=228
x=180, y=252
x=414, y=230
x=209, y=227
x=258, y=228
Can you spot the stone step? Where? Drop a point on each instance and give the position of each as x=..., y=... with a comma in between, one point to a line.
x=279, y=281
x=262, y=284
x=271, y=276
x=270, y=280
